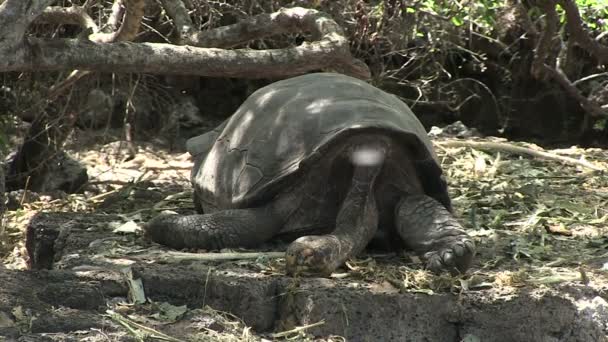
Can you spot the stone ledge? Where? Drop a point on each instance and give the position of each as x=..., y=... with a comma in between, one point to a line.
x=87, y=258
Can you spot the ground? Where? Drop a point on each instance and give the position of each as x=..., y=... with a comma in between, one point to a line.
x=541, y=272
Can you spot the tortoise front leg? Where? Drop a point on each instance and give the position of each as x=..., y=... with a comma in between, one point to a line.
x=222, y=229
x=356, y=224
x=428, y=228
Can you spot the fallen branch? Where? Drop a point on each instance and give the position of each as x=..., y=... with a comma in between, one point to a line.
x=155, y=58
x=329, y=50
x=509, y=148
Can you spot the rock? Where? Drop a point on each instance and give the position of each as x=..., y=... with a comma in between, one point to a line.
x=593, y=313
x=84, y=255
x=60, y=173
x=186, y=120
x=16, y=198
x=64, y=173
x=454, y=130
x=97, y=111
x=186, y=112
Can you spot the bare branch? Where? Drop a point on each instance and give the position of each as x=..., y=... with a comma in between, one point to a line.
x=541, y=70
x=589, y=106
x=15, y=18
x=74, y=15
x=287, y=20
x=590, y=77
x=62, y=54
x=546, y=38
x=130, y=24
x=323, y=29
x=331, y=52
x=579, y=34
x=178, y=12
x=116, y=14
x=127, y=31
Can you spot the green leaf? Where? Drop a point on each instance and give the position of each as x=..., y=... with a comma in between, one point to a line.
x=457, y=21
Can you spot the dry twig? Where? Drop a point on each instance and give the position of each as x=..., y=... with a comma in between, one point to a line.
x=172, y=256
x=510, y=148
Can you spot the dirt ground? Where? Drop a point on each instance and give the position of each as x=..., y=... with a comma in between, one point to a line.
x=541, y=272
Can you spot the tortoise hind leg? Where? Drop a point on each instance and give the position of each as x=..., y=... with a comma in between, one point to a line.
x=222, y=229
x=428, y=228
x=356, y=224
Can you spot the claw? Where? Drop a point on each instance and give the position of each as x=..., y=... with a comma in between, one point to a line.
x=312, y=255
x=459, y=250
x=447, y=257
x=470, y=245
x=455, y=257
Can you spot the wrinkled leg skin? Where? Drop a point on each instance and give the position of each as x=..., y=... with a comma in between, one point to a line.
x=356, y=224
x=429, y=229
x=222, y=229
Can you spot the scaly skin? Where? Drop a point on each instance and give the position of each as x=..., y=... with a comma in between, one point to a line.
x=428, y=228
x=356, y=225
x=222, y=229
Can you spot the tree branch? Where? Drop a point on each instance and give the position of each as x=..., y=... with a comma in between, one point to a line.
x=126, y=31
x=541, y=70
x=61, y=54
x=178, y=12
x=15, y=18
x=130, y=24
x=287, y=20
x=116, y=13
x=591, y=107
x=330, y=52
x=325, y=31
x=75, y=15
x=545, y=41
x=579, y=34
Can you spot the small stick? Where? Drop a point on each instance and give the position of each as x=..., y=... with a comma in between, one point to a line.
x=140, y=331
x=509, y=148
x=297, y=330
x=180, y=256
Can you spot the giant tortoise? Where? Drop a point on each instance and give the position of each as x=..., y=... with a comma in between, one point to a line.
x=327, y=159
